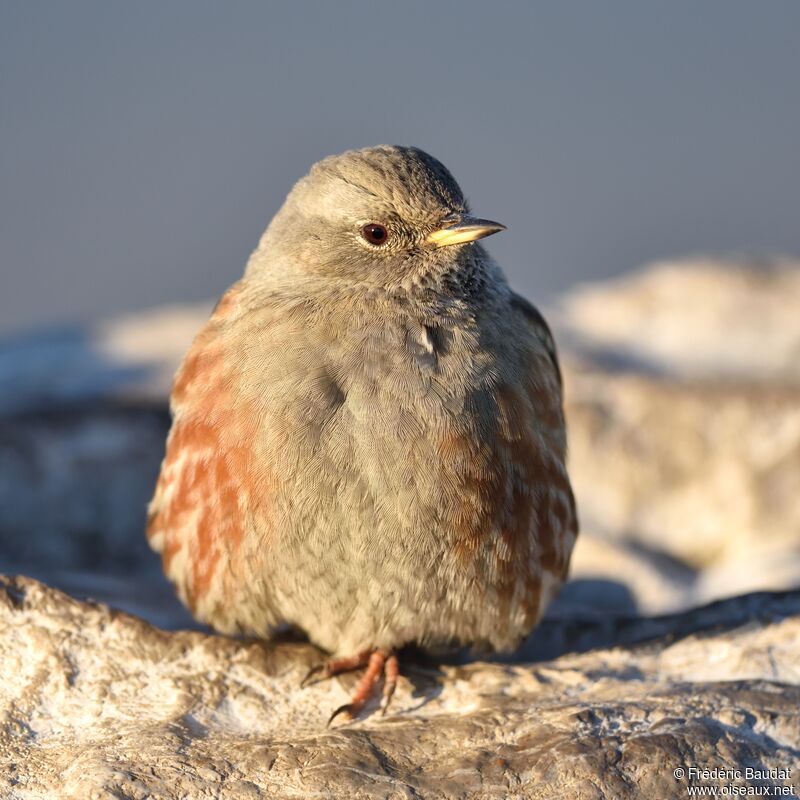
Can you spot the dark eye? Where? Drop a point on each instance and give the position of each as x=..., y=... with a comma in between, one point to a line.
x=374, y=233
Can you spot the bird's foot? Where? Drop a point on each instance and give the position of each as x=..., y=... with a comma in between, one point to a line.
x=378, y=662
x=335, y=666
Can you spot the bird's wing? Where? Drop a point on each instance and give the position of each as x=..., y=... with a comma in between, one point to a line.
x=556, y=517
x=538, y=327
x=209, y=483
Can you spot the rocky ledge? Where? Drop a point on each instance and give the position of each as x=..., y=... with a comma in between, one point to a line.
x=100, y=704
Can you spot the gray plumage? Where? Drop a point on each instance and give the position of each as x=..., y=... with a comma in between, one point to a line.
x=368, y=441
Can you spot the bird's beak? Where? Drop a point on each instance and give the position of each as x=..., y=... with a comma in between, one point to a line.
x=458, y=230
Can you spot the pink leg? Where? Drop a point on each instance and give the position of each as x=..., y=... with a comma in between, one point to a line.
x=336, y=666
x=365, y=686
x=391, y=671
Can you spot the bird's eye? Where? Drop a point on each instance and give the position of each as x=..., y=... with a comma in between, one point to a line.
x=374, y=233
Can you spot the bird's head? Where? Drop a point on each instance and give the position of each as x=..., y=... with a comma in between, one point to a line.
x=382, y=216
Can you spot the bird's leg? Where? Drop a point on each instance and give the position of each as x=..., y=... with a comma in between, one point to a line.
x=391, y=671
x=336, y=666
x=379, y=660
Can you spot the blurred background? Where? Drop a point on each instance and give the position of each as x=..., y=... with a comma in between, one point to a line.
x=145, y=146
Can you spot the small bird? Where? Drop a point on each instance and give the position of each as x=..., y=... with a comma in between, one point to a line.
x=368, y=441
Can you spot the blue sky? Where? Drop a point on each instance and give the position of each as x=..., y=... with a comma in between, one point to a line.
x=144, y=146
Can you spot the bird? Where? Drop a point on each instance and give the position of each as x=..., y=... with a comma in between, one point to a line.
x=368, y=441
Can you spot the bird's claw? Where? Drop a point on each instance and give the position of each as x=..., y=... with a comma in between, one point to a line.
x=315, y=670
x=386, y=699
x=347, y=709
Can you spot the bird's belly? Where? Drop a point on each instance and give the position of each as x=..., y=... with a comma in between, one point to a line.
x=409, y=523
x=411, y=497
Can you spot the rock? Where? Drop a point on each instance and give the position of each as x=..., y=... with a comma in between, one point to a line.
x=79, y=479
x=683, y=404
x=704, y=474
x=696, y=318
x=654, y=583
x=74, y=486
x=97, y=703
x=131, y=357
